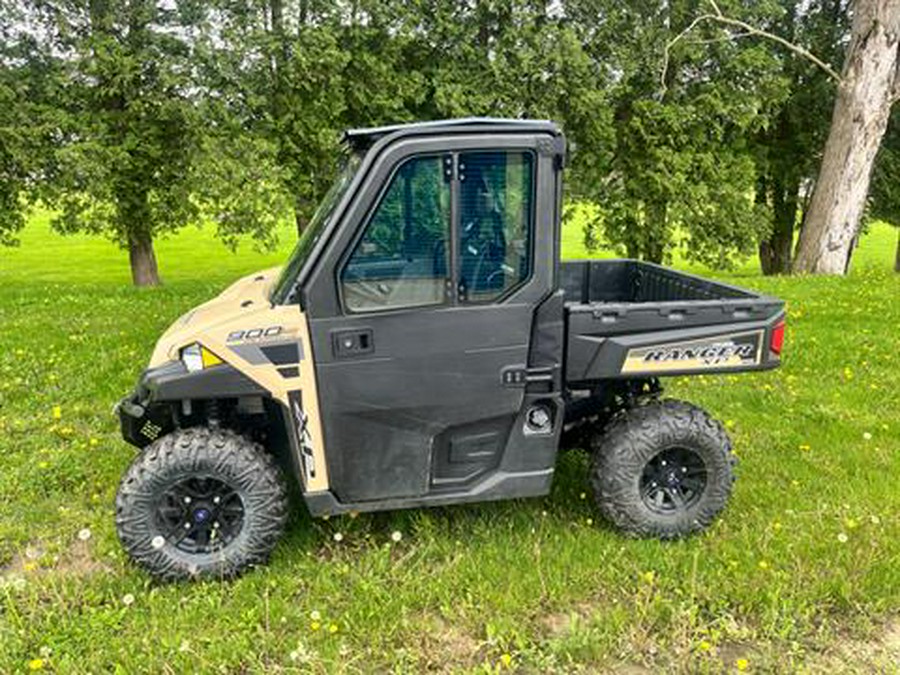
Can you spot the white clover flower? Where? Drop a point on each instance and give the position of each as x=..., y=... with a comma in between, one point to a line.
x=867, y=436
x=338, y=537
x=84, y=534
x=843, y=538
x=128, y=599
x=158, y=541
x=396, y=536
x=315, y=615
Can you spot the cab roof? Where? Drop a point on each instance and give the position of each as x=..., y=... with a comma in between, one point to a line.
x=360, y=139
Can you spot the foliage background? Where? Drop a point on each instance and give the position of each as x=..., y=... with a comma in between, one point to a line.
x=135, y=118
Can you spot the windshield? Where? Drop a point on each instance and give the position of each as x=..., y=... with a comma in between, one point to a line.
x=314, y=229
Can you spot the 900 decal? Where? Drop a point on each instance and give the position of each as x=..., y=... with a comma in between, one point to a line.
x=253, y=334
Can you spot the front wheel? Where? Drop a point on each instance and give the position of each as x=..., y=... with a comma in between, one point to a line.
x=200, y=503
x=662, y=470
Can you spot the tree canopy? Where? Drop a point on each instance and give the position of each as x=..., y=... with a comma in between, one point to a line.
x=134, y=118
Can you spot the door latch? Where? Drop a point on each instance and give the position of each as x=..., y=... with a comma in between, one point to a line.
x=354, y=342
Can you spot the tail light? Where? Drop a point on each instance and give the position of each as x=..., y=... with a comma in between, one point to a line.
x=777, y=340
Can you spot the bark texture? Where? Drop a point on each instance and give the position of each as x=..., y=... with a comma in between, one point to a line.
x=869, y=85
x=143, y=261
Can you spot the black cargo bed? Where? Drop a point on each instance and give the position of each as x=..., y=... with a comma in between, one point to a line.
x=619, y=307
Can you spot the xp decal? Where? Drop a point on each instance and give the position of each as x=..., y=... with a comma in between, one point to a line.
x=304, y=439
x=723, y=351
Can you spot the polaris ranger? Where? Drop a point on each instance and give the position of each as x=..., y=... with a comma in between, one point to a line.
x=424, y=345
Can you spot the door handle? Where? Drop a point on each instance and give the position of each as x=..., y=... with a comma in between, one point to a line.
x=353, y=342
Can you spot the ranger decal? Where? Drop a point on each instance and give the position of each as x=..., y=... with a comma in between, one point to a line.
x=714, y=353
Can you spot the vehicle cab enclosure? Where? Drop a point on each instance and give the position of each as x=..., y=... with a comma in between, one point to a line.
x=435, y=322
x=424, y=345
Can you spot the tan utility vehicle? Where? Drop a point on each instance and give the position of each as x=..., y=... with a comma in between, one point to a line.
x=424, y=345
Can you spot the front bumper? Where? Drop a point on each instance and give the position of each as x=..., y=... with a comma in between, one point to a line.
x=142, y=424
x=142, y=417
x=147, y=413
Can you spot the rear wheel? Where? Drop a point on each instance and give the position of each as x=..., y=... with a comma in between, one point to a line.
x=662, y=470
x=200, y=503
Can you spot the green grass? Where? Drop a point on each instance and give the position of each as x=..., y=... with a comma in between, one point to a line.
x=772, y=582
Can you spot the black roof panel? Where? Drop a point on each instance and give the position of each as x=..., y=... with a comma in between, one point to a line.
x=362, y=138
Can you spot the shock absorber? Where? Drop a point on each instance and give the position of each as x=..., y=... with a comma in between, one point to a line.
x=212, y=412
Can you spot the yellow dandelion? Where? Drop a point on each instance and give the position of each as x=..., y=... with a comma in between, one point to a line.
x=333, y=628
x=763, y=565
x=36, y=664
x=315, y=625
x=506, y=660
x=57, y=412
x=93, y=442
x=742, y=664
x=648, y=577
x=804, y=447
x=705, y=646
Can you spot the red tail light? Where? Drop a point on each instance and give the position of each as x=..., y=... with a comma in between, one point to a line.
x=777, y=341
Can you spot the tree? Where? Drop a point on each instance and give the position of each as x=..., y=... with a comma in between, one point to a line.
x=129, y=137
x=870, y=83
x=26, y=121
x=682, y=169
x=127, y=128
x=788, y=149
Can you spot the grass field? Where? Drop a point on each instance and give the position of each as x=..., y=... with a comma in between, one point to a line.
x=801, y=574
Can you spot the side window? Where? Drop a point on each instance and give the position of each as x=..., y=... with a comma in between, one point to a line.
x=402, y=258
x=495, y=222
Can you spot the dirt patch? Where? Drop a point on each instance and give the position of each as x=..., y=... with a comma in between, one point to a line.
x=446, y=646
x=879, y=654
x=560, y=624
x=76, y=561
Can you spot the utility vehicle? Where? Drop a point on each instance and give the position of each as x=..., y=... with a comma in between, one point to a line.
x=423, y=346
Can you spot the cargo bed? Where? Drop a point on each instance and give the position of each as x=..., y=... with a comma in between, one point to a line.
x=627, y=318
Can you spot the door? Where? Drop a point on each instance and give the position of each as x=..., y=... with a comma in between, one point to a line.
x=436, y=292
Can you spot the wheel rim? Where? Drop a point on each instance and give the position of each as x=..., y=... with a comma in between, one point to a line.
x=200, y=514
x=673, y=480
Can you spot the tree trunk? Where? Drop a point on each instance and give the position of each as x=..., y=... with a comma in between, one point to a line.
x=897, y=254
x=655, y=245
x=143, y=261
x=869, y=87
x=299, y=221
x=775, y=252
